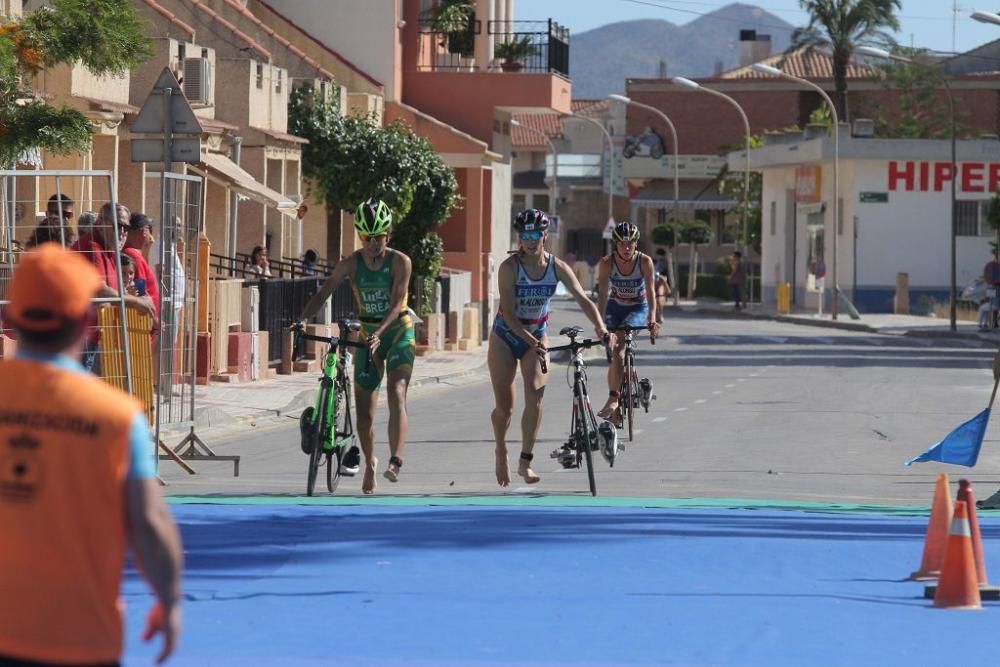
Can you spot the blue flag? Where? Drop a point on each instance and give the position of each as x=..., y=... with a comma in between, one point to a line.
x=961, y=446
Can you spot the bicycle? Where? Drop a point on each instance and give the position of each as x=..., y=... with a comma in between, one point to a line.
x=327, y=429
x=634, y=392
x=584, y=434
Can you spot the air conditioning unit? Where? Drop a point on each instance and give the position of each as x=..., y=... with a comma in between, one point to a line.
x=198, y=80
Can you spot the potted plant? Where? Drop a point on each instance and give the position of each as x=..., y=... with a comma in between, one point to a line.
x=512, y=54
x=454, y=19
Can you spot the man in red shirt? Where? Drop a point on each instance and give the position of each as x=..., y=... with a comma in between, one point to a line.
x=96, y=243
x=138, y=239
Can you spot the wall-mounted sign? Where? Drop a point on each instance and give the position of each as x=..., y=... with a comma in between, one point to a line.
x=928, y=176
x=688, y=166
x=808, y=182
x=873, y=197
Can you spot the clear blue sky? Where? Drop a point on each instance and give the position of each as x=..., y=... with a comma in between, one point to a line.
x=925, y=23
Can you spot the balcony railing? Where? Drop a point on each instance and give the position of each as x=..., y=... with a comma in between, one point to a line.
x=455, y=51
x=549, y=43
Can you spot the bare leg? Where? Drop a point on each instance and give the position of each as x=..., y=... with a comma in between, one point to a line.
x=531, y=419
x=399, y=383
x=503, y=369
x=615, y=372
x=365, y=403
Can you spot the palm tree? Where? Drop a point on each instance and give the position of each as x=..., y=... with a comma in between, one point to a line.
x=842, y=25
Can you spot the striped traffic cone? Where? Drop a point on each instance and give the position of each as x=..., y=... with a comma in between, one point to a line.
x=937, y=532
x=957, y=587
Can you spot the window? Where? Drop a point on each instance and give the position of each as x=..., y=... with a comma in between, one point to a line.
x=260, y=75
x=277, y=80
x=520, y=203
x=540, y=202
x=774, y=218
x=204, y=54
x=181, y=52
x=972, y=218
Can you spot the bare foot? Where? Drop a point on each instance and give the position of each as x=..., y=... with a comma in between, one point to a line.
x=609, y=408
x=392, y=470
x=525, y=471
x=503, y=468
x=368, y=484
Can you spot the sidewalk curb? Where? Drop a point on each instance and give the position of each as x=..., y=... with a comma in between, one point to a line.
x=788, y=319
x=215, y=417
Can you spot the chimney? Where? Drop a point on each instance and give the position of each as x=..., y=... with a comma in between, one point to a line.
x=663, y=68
x=753, y=47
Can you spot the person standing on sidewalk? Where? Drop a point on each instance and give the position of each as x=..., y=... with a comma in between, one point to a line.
x=527, y=280
x=737, y=280
x=380, y=277
x=991, y=276
x=627, y=297
x=77, y=487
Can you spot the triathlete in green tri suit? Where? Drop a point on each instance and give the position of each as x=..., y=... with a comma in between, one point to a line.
x=379, y=277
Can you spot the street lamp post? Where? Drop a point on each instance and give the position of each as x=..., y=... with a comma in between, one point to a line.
x=688, y=83
x=611, y=160
x=673, y=133
x=774, y=71
x=882, y=53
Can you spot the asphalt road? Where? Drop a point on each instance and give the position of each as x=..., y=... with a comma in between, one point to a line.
x=748, y=409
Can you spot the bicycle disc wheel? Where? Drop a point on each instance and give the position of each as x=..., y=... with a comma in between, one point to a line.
x=317, y=451
x=627, y=404
x=335, y=457
x=585, y=426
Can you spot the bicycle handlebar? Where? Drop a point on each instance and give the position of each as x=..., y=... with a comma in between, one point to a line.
x=334, y=341
x=628, y=328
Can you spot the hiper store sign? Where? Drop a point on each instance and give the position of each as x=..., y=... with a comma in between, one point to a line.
x=935, y=176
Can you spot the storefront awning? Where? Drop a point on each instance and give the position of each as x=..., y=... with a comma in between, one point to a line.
x=699, y=194
x=244, y=183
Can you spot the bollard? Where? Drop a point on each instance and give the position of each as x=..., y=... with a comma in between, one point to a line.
x=902, y=300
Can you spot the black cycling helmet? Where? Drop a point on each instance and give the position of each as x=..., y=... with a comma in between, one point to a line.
x=626, y=231
x=531, y=220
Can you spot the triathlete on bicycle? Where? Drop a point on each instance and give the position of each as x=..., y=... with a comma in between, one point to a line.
x=379, y=277
x=527, y=280
x=626, y=294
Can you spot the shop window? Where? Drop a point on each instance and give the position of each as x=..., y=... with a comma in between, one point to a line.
x=967, y=215
x=519, y=203
x=540, y=202
x=728, y=233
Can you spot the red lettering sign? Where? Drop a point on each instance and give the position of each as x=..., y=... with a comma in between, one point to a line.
x=895, y=175
x=972, y=176
x=942, y=173
x=994, y=176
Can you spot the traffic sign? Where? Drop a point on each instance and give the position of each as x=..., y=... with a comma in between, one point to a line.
x=182, y=118
x=181, y=150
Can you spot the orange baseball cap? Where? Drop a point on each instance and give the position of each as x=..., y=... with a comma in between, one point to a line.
x=51, y=286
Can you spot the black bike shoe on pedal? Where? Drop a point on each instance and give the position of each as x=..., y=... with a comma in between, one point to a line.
x=351, y=463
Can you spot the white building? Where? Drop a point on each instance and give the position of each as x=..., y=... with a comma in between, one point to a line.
x=895, y=215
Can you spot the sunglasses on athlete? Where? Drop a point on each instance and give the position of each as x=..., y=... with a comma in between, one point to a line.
x=530, y=236
x=378, y=237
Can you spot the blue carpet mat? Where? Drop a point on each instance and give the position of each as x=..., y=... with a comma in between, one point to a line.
x=480, y=585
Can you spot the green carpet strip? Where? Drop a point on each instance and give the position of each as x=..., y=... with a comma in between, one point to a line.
x=525, y=500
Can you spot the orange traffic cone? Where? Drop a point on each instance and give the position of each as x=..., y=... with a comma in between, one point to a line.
x=937, y=532
x=965, y=494
x=957, y=587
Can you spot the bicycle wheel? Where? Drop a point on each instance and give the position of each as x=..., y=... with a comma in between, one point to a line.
x=626, y=405
x=340, y=425
x=586, y=426
x=316, y=455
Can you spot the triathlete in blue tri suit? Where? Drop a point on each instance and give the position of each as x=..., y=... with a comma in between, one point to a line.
x=527, y=280
x=626, y=294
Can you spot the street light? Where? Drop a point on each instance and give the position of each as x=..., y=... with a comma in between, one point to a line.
x=774, y=71
x=673, y=132
x=688, y=83
x=882, y=53
x=555, y=161
x=611, y=159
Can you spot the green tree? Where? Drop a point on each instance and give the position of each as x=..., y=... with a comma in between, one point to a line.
x=106, y=36
x=352, y=158
x=921, y=110
x=732, y=184
x=695, y=233
x=842, y=25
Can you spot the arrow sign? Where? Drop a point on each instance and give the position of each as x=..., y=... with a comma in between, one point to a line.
x=182, y=118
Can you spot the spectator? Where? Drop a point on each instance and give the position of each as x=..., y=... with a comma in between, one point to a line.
x=737, y=280
x=258, y=263
x=55, y=226
x=96, y=248
x=985, y=310
x=172, y=281
x=128, y=274
x=991, y=275
x=138, y=240
x=309, y=263
x=80, y=487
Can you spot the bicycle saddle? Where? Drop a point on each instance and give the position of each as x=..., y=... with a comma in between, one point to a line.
x=349, y=325
x=572, y=332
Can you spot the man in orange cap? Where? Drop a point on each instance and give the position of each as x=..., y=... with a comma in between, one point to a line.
x=77, y=483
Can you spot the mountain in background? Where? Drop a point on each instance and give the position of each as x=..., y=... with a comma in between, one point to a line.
x=601, y=59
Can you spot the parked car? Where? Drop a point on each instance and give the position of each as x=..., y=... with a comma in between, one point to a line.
x=974, y=294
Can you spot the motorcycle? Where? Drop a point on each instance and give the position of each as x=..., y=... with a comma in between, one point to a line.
x=646, y=144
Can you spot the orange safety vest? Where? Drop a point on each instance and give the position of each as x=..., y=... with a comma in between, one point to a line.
x=64, y=458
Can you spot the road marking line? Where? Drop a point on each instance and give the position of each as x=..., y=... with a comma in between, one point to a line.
x=741, y=380
x=701, y=400
x=680, y=409
x=753, y=375
x=657, y=420
x=716, y=392
x=730, y=386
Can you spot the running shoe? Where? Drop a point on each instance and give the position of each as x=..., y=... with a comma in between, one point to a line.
x=351, y=463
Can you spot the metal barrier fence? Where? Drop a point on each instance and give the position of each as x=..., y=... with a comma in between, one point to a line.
x=239, y=267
